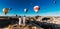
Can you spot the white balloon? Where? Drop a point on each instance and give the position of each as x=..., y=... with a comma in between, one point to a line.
x=25, y=10
x=10, y=8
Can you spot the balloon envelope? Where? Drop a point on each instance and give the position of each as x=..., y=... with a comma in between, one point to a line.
x=54, y=1
x=10, y=8
x=36, y=8
x=25, y=10
x=5, y=10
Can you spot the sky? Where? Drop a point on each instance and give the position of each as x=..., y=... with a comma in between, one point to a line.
x=47, y=7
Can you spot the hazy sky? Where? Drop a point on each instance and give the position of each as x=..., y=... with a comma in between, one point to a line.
x=47, y=7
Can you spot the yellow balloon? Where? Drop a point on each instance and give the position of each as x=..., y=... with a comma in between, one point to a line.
x=5, y=10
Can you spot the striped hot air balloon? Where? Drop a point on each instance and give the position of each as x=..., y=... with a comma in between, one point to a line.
x=5, y=10
x=36, y=8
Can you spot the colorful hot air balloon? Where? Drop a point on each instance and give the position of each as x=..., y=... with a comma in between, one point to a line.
x=5, y=10
x=36, y=8
x=25, y=10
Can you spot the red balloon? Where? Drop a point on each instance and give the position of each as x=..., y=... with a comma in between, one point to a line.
x=36, y=8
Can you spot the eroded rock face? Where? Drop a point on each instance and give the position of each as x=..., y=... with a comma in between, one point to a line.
x=48, y=19
x=54, y=20
x=45, y=18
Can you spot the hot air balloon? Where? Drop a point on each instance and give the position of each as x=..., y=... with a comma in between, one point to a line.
x=5, y=10
x=54, y=1
x=10, y=8
x=36, y=8
x=25, y=10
